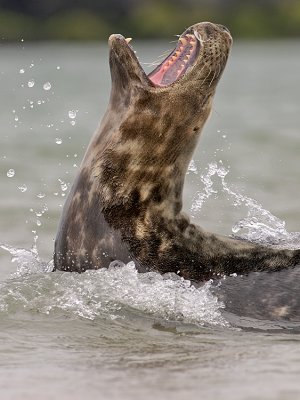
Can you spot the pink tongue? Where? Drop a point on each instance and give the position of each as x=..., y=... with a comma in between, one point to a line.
x=164, y=74
x=158, y=76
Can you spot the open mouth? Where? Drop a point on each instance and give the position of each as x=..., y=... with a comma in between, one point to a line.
x=177, y=63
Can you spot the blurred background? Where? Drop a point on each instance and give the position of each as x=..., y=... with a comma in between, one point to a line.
x=55, y=86
x=94, y=19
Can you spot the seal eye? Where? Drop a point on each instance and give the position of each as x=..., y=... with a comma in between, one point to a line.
x=177, y=63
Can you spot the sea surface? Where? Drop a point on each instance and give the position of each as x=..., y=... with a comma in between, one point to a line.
x=117, y=334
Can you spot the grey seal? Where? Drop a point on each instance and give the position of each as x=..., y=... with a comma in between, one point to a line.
x=126, y=201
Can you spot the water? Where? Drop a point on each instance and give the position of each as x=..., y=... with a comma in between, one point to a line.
x=114, y=333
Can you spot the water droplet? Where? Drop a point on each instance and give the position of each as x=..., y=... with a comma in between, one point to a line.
x=224, y=136
x=38, y=222
x=31, y=83
x=47, y=86
x=10, y=173
x=22, y=188
x=41, y=195
x=16, y=118
x=72, y=123
x=31, y=65
x=39, y=102
x=58, y=141
x=22, y=71
x=235, y=229
x=72, y=114
x=63, y=185
x=58, y=67
x=192, y=167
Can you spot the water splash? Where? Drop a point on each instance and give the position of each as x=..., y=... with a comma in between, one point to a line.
x=72, y=114
x=64, y=186
x=260, y=225
x=10, y=173
x=192, y=167
x=27, y=261
x=106, y=293
x=47, y=86
x=22, y=188
x=202, y=196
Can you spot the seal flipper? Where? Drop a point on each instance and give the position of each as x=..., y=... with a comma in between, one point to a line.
x=183, y=248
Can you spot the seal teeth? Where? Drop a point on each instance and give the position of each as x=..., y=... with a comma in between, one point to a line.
x=183, y=41
x=128, y=40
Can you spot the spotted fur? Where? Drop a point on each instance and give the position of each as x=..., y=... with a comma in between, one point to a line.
x=126, y=201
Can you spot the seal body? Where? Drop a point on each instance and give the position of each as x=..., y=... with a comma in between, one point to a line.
x=126, y=201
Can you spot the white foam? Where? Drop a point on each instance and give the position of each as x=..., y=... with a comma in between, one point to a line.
x=259, y=225
x=106, y=293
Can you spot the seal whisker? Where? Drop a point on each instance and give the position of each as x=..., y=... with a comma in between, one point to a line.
x=157, y=61
x=205, y=78
x=212, y=79
x=219, y=71
x=151, y=64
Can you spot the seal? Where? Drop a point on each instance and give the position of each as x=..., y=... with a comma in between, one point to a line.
x=126, y=201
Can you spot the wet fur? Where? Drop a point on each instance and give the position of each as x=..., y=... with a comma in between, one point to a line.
x=126, y=201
